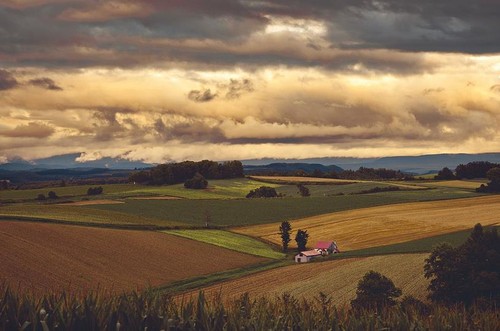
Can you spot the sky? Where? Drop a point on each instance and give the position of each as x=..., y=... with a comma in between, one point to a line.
x=171, y=80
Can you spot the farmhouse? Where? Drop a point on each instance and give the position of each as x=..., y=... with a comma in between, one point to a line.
x=307, y=256
x=327, y=247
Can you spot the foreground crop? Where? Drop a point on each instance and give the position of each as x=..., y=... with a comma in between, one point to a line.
x=154, y=311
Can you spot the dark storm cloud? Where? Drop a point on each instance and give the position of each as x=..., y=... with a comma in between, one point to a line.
x=7, y=80
x=130, y=33
x=190, y=130
x=45, y=83
x=201, y=96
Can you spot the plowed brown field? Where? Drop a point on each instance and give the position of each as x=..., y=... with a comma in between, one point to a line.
x=338, y=279
x=383, y=225
x=49, y=256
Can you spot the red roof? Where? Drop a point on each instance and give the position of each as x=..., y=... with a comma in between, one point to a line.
x=324, y=244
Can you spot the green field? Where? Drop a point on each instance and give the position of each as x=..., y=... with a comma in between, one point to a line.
x=239, y=212
x=217, y=189
x=233, y=241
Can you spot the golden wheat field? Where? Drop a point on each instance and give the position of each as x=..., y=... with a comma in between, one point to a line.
x=338, y=278
x=383, y=225
x=466, y=184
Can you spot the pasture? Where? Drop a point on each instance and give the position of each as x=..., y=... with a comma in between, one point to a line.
x=382, y=225
x=229, y=240
x=44, y=257
x=337, y=278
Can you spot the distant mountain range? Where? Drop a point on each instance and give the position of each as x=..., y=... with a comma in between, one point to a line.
x=68, y=161
x=413, y=164
x=289, y=167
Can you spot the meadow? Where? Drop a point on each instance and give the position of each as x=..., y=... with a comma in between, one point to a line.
x=229, y=240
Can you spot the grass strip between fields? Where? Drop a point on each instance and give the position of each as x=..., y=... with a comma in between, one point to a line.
x=230, y=240
x=211, y=279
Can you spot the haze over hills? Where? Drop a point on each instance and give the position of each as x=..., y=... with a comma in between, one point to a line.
x=415, y=164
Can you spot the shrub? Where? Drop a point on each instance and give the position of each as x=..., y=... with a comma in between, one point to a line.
x=263, y=192
x=197, y=182
x=375, y=291
x=95, y=190
x=52, y=195
x=41, y=197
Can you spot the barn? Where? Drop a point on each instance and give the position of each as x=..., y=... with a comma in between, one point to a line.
x=307, y=256
x=327, y=247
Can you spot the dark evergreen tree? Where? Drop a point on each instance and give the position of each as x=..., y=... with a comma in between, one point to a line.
x=445, y=174
x=285, y=231
x=301, y=239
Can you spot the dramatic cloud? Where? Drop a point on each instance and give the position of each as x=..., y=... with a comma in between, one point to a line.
x=45, y=83
x=164, y=80
x=7, y=80
x=201, y=96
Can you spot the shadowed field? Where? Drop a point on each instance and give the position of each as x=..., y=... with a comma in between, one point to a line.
x=52, y=257
x=338, y=279
x=376, y=226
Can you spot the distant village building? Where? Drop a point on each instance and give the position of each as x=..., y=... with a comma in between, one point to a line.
x=327, y=247
x=307, y=256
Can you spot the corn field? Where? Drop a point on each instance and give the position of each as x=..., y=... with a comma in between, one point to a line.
x=151, y=310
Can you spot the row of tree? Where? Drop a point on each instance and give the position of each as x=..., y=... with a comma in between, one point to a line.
x=301, y=237
x=174, y=173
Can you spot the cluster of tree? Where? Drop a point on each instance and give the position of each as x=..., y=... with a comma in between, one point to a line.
x=197, y=182
x=445, y=174
x=301, y=237
x=304, y=191
x=95, y=190
x=494, y=185
x=378, y=189
x=477, y=169
x=174, y=173
x=51, y=195
x=263, y=192
x=467, y=273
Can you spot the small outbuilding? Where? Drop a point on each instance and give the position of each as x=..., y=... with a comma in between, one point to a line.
x=307, y=256
x=327, y=247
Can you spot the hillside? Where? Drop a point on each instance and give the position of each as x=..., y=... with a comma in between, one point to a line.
x=45, y=257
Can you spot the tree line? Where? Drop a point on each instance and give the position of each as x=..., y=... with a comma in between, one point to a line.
x=174, y=173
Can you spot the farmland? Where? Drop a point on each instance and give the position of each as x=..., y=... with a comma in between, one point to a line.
x=49, y=257
x=335, y=278
x=229, y=240
x=368, y=227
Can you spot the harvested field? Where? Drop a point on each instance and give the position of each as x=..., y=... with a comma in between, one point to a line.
x=383, y=225
x=338, y=278
x=465, y=184
x=92, y=202
x=292, y=179
x=43, y=257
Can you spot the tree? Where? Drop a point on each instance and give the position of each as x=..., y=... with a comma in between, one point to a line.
x=445, y=174
x=468, y=272
x=304, y=191
x=375, y=291
x=95, y=190
x=285, y=231
x=301, y=239
x=494, y=185
x=262, y=192
x=41, y=197
x=197, y=182
x=52, y=195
